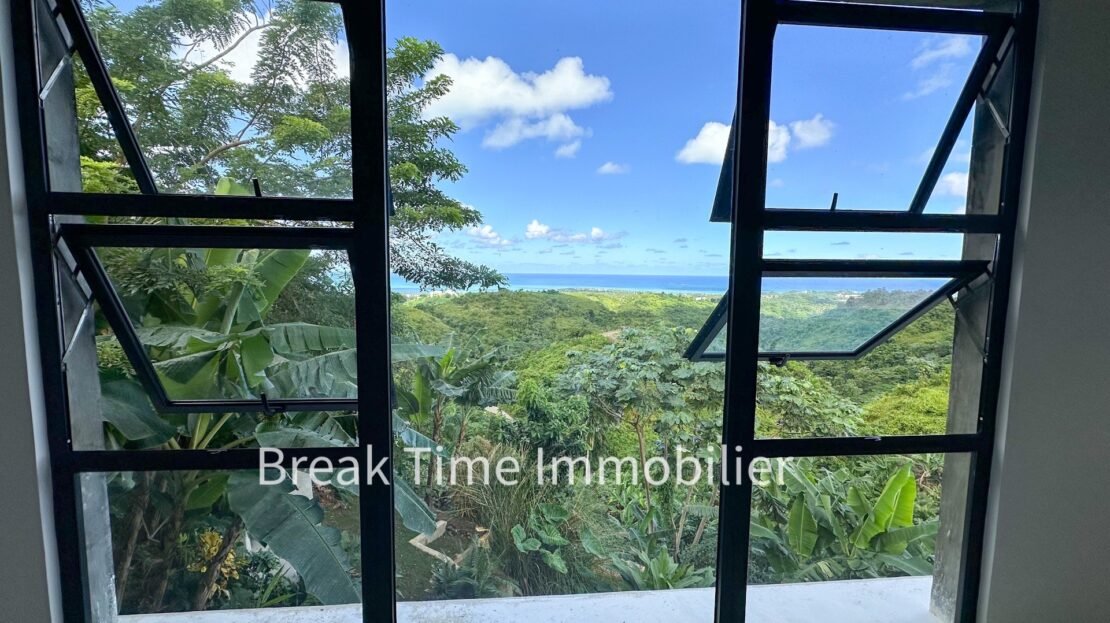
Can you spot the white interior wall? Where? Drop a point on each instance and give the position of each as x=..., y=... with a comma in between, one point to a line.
x=28, y=571
x=1048, y=542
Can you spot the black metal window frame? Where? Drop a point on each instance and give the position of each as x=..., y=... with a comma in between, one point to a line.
x=746, y=181
x=80, y=241
x=61, y=249
x=997, y=39
x=960, y=274
x=62, y=246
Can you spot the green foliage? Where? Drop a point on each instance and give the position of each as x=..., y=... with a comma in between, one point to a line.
x=547, y=364
x=843, y=327
x=535, y=530
x=660, y=572
x=474, y=577
x=648, y=310
x=559, y=425
x=921, y=350
x=451, y=382
x=794, y=402
x=288, y=124
x=291, y=525
x=98, y=176
x=517, y=323
x=917, y=408
x=821, y=525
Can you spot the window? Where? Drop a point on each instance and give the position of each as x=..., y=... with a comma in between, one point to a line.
x=240, y=275
x=1002, y=44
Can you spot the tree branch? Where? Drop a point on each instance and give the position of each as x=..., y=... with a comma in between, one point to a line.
x=221, y=149
x=234, y=44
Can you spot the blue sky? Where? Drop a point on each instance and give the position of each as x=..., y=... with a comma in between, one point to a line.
x=592, y=132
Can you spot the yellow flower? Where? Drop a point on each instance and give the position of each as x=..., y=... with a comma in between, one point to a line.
x=209, y=543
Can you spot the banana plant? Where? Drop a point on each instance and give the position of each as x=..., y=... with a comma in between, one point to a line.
x=823, y=528
x=448, y=380
x=201, y=313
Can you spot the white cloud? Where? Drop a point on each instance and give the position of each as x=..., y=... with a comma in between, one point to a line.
x=708, y=147
x=557, y=127
x=778, y=139
x=540, y=231
x=569, y=150
x=813, y=132
x=941, y=49
x=941, y=79
x=485, y=235
x=482, y=89
x=953, y=184
x=939, y=52
x=536, y=229
x=612, y=168
x=523, y=105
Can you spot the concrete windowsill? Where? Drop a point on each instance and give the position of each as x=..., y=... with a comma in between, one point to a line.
x=892, y=600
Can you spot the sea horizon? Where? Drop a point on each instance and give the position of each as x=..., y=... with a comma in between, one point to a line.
x=682, y=284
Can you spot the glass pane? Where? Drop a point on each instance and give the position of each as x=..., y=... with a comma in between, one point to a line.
x=950, y=196
x=555, y=318
x=221, y=96
x=813, y=245
x=126, y=419
x=818, y=316
x=871, y=539
x=189, y=541
x=240, y=323
x=857, y=112
x=904, y=386
x=834, y=314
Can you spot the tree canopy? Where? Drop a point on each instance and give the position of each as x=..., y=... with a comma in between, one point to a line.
x=256, y=89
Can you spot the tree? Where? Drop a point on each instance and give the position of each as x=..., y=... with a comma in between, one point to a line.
x=635, y=380
x=288, y=125
x=452, y=380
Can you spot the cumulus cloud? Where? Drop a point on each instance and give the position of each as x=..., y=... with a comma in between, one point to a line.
x=953, y=184
x=536, y=229
x=523, y=105
x=813, y=132
x=612, y=168
x=481, y=89
x=708, y=147
x=778, y=139
x=486, y=236
x=557, y=127
x=569, y=150
x=541, y=231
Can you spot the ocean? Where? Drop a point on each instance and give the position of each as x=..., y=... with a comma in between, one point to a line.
x=689, y=284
